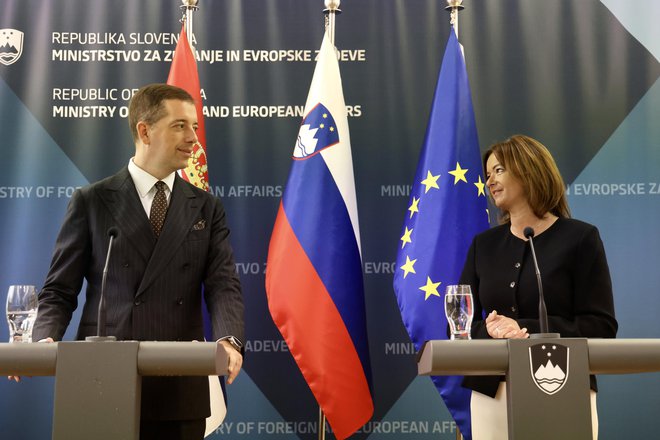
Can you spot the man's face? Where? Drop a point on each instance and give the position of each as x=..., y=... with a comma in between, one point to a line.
x=171, y=138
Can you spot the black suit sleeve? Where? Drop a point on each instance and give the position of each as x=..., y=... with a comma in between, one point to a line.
x=59, y=296
x=222, y=289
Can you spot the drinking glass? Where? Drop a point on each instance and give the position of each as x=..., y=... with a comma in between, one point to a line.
x=459, y=309
x=21, y=312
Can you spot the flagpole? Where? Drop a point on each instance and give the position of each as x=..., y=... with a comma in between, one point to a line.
x=331, y=11
x=453, y=6
x=321, y=423
x=188, y=7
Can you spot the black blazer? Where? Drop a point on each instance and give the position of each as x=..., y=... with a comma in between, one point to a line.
x=576, y=284
x=154, y=287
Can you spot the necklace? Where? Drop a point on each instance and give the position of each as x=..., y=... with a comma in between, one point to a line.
x=519, y=231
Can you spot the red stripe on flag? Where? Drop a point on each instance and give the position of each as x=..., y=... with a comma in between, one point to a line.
x=315, y=332
x=183, y=74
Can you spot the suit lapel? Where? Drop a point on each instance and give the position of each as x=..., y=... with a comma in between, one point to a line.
x=122, y=200
x=181, y=214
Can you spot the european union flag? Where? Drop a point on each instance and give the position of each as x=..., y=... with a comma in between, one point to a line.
x=447, y=208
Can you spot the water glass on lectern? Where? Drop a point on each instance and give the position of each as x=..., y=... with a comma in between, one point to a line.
x=459, y=309
x=21, y=312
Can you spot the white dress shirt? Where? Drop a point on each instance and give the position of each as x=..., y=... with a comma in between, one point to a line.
x=144, y=183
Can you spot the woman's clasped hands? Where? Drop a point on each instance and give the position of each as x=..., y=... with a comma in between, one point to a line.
x=503, y=327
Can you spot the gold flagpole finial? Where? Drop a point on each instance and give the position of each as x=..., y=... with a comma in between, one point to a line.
x=453, y=6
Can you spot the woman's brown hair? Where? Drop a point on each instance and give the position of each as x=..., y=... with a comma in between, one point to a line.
x=529, y=161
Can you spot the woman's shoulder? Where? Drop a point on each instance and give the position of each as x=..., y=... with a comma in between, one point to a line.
x=494, y=233
x=572, y=232
x=574, y=226
x=569, y=228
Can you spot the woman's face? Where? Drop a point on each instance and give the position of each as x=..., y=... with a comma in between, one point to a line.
x=506, y=191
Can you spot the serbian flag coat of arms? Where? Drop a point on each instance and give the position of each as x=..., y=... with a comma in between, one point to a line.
x=314, y=272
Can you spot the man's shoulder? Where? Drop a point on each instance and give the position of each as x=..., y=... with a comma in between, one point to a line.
x=116, y=181
x=193, y=190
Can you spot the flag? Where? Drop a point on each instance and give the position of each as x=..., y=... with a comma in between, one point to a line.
x=314, y=271
x=183, y=74
x=447, y=208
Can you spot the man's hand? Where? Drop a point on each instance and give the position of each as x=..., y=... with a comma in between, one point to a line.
x=234, y=360
x=18, y=378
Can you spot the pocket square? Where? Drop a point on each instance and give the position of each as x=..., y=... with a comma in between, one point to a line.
x=199, y=225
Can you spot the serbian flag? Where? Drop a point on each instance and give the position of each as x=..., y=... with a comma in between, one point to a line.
x=183, y=74
x=314, y=271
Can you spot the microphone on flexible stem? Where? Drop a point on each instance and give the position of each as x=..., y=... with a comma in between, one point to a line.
x=101, y=334
x=543, y=313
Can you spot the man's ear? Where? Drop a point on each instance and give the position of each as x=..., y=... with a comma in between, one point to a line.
x=143, y=132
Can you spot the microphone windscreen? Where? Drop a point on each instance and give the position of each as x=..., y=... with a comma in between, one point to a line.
x=113, y=232
x=528, y=232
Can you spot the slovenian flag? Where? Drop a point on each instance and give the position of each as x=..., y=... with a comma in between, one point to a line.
x=314, y=272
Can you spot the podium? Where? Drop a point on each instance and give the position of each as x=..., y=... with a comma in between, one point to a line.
x=98, y=384
x=545, y=400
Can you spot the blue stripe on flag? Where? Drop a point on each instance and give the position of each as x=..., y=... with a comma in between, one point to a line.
x=319, y=218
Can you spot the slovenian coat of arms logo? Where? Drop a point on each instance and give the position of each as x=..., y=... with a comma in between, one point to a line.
x=549, y=366
x=11, y=46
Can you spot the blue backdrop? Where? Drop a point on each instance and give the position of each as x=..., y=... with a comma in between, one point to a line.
x=580, y=76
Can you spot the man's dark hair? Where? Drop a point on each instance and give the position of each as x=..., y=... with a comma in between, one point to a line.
x=147, y=105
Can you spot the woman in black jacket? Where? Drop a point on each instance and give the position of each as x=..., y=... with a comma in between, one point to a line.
x=525, y=184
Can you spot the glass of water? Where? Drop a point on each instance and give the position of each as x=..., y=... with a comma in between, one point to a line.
x=21, y=312
x=459, y=310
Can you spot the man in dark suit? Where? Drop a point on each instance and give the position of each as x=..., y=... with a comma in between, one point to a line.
x=172, y=249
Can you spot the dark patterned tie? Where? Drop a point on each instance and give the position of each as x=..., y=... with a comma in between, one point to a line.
x=158, y=208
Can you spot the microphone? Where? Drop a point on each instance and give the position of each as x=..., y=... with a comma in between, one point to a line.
x=101, y=333
x=528, y=232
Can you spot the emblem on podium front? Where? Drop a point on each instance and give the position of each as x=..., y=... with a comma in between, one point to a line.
x=549, y=366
